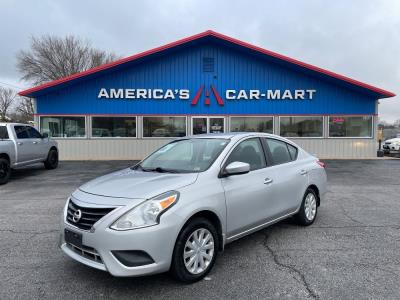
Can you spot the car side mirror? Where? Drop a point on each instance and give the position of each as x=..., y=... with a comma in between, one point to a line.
x=45, y=135
x=236, y=168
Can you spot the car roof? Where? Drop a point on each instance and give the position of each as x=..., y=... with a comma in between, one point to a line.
x=237, y=136
x=230, y=135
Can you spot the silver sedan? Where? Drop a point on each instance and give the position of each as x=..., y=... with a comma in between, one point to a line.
x=177, y=209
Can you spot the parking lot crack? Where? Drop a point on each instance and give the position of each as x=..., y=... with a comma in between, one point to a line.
x=291, y=268
x=34, y=233
x=347, y=215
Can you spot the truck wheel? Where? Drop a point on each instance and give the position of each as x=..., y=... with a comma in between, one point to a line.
x=5, y=170
x=52, y=160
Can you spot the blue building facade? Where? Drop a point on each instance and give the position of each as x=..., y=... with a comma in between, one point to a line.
x=202, y=84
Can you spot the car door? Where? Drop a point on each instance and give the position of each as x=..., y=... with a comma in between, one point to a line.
x=39, y=144
x=24, y=144
x=289, y=175
x=246, y=195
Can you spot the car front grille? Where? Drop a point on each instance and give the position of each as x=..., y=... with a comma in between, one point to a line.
x=89, y=216
x=86, y=252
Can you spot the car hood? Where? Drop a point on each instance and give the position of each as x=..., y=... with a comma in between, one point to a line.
x=133, y=184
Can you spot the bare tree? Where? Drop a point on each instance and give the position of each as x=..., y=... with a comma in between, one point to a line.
x=26, y=109
x=52, y=57
x=7, y=97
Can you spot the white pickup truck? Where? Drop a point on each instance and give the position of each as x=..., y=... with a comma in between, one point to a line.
x=22, y=145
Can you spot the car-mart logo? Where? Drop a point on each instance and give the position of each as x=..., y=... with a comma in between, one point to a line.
x=196, y=98
x=184, y=94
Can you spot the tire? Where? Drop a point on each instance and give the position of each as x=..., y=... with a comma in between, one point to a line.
x=305, y=217
x=5, y=171
x=198, y=227
x=51, y=161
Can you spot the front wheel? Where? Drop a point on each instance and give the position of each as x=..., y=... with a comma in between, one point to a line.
x=195, y=251
x=308, y=210
x=52, y=160
x=5, y=170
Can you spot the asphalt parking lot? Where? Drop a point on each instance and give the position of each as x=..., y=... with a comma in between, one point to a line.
x=350, y=252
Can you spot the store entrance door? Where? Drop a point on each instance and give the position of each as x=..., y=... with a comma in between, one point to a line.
x=202, y=125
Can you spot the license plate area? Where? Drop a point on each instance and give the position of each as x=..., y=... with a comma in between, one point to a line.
x=73, y=238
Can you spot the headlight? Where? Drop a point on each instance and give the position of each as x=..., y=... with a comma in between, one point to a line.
x=146, y=214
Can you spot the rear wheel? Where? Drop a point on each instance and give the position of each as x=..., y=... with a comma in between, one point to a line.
x=308, y=210
x=52, y=160
x=195, y=251
x=5, y=170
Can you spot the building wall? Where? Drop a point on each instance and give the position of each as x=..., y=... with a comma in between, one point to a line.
x=138, y=148
x=232, y=70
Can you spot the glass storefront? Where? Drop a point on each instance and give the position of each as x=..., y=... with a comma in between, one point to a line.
x=348, y=126
x=63, y=127
x=301, y=126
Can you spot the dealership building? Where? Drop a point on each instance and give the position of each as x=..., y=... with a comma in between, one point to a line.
x=206, y=83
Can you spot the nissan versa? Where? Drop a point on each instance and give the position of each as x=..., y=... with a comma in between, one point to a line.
x=176, y=209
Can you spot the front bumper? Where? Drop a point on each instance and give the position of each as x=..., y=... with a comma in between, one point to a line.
x=157, y=241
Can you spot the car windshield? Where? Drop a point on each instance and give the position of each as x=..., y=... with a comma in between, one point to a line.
x=184, y=156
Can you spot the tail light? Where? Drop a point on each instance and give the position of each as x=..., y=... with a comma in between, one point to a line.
x=322, y=164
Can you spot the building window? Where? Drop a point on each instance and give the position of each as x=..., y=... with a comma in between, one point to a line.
x=252, y=124
x=63, y=127
x=340, y=126
x=164, y=126
x=113, y=127
x=301, y=126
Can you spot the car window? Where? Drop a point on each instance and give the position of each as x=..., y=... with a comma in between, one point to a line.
x=21, y=132
x=249, y=151
x=3, y=132
x=292, y=151
x=33, y=133
x=279, y=151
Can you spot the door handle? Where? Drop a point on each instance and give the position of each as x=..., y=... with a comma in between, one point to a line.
x=35, y=142
x=303, y=172
x=20, y=143
x=268, y=181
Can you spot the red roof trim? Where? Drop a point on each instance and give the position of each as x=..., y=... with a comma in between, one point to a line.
x=198, y=36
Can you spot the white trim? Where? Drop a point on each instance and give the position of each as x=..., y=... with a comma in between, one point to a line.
x=85, y=117
x=352, y=137
x=260, y=116
x=112, y=137
x=302, y=137
x=162, y=137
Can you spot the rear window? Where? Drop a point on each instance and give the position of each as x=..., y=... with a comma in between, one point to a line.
x=3, y=132
x=279, y=151
x=292, y=151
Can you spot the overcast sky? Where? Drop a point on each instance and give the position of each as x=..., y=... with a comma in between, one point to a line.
x=359, y=39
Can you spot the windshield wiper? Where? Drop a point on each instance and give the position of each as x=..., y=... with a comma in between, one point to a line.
x=159, y=170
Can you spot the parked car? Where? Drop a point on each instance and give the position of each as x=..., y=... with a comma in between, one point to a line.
x=22, y=145
x=179, y=207
x=391, y=145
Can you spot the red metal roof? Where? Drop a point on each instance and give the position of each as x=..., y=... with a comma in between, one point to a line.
x=217, y=35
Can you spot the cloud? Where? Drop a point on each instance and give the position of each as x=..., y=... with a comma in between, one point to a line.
x=359, y=39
